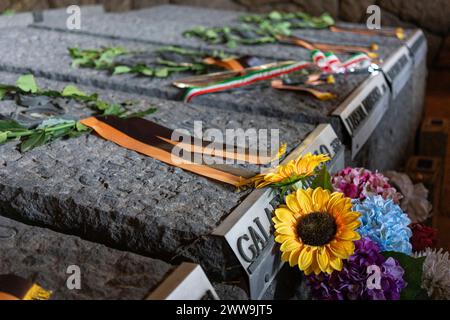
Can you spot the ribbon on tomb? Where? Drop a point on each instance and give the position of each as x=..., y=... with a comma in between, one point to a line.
x=399, y=33
x=155, y=141
x=329, y=65
x=13, y=287
x=200, y=85
x=234, y=64
x=295, y=40
x=328, y=62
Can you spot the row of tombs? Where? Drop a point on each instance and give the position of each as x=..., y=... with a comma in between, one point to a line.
x=139, y=228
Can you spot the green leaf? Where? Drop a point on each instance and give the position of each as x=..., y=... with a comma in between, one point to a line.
x=275, y=15
x=53, y=122
x=3, y=137
x=122, y=70
x=212, y=34
x=27, y=83
x=413, y=274
x=162, y=73
x=141, y=114
x=72, y=91
x=9, y=12
x=101, y=105
x=113, y=110
x=11, y=125
x=35, y=140
x=323, y=180
x=3, y=93
x=146, y=72
x=81, y=127
x=327, y=19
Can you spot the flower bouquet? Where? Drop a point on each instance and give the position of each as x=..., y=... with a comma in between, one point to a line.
x=349, y=236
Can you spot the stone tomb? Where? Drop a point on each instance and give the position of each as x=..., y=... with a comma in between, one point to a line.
x=165, y=24
x=405, y=82
x=75, y=269
x=54, y=62
x=94, y=189
x=396, y=60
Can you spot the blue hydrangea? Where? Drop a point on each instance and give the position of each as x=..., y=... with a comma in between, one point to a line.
x=384, y=223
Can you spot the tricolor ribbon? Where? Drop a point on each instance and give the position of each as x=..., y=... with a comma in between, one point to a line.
x=330, y=63
x=247, y=77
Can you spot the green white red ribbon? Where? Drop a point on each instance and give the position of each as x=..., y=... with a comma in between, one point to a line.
x=330, y=63
x=249, y=78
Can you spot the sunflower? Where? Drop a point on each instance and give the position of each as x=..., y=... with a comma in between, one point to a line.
x=316, y=230
x=290, y=173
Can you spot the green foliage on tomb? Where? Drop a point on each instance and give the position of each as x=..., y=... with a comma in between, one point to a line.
x=55, y=128
x=161, y=67
x=259, y=28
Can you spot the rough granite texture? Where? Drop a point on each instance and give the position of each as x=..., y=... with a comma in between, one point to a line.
x=392, y=142
x=92, y=188
x=230, y=292
x=145, y=26
x=21, y=19
x=54, y=62
x=43, y=256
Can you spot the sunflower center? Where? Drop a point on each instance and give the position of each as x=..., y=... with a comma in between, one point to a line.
x=316, y=228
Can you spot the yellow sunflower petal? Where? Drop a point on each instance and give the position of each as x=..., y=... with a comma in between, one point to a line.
x=293, y=257
x=350, y=216
x=262, y=184
x=309, y=192
x=336, y=263
x=353, y=225
x=280, y=238
x=285, y=215
x=290, y=245
x=289, y=231
x=315, y=263
x=329, y=270
x=305, y=258
x=285, y=256
x=339, y=249
x=349, y=247
x=349, y=235
x=276, y=220
x=292, y=203
x=338, y=208
x=308, y=271
x=305, y=201
x=323, y=259
x=320, y=198
x=334, y=197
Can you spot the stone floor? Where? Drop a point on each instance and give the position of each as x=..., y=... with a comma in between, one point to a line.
x=438, y=105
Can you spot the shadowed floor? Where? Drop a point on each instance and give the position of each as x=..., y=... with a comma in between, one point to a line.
x=438, y=105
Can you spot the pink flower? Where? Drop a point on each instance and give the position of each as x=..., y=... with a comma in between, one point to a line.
x=358, y=183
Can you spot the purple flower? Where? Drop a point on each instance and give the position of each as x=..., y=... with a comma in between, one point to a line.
x=354, y=281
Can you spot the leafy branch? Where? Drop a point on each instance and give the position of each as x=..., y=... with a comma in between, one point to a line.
x=297, y=20
x=260, y=28
x=106, y=59
x=55, y=128
x=232, y=36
